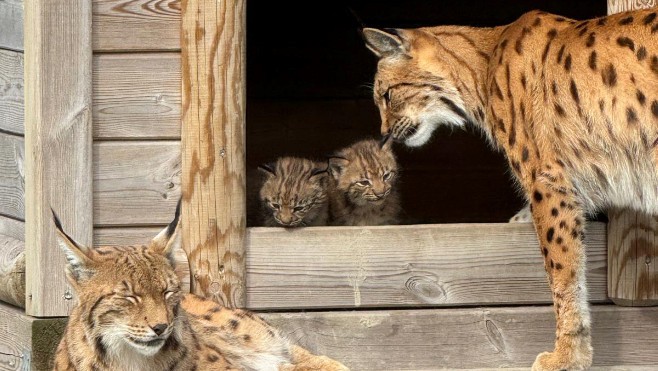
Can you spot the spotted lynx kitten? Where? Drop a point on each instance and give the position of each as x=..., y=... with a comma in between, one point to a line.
x=573, y=105
x=362, y=185
x=132, y=315
x=294, y=193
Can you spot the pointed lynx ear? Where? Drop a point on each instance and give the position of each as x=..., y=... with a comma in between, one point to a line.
x=79, y=263
x=269, y=168
x=383, y=43
x=336, y=165
x=169, y=239
x=386, y=143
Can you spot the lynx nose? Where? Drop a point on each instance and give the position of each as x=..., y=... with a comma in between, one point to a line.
x=159, y=328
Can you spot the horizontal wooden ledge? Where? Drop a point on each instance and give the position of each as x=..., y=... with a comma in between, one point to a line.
x=413, y=265
x=477, y=338
x=395, y=266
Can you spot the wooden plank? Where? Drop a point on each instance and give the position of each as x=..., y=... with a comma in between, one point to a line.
x=633, y=241
x=213, y=146
x=15, y=338
x=136, y=183
x=632, y=267
x=11, y=25
x=11, y=90
x=140, y=236
x=420, y=265
x=136, y=25
x=58, y=142
x=12, y=176
x=12, y=271
x=12, y=228
x=618, y=6
x=137, y=96
x=465, y=338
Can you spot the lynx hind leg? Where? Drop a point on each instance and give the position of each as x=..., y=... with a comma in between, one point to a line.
x=523, y=216
x=559, y=222
x=303, y=360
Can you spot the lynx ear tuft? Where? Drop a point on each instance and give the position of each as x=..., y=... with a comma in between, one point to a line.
x=384, y=42
x=79, y=263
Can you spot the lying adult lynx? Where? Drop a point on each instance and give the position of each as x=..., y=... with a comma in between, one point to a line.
x=574, y=106
x=132, y=315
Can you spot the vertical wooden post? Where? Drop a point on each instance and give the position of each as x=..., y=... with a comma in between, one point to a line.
x=632, y=236
x=213, y=147
x=58, y=144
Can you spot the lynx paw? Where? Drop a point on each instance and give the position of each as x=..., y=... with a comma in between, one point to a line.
x=523, y=216
x=554, y=361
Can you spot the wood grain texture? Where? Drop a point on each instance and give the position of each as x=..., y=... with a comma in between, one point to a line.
x=15, y=338
x=11, y=91
x=12, y=176
x=12, y=271
x=58, y=142
x=12, y=228
x=421, y=265
x=632, y=239
x=136, y=25
x=484, y=338
x=617, y=6
x=140, y=236
x=11, y=25
x=137, y=96
x=136, y=183
x=213, y=147
x=632, y=258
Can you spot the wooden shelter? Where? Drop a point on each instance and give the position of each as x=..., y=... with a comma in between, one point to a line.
x=111, y=110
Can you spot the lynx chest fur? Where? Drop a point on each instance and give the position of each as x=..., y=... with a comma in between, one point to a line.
x=572, y=104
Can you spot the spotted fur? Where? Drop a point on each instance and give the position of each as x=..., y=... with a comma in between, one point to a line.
x=294, y=193
x=362, y=187
x=132, y=315
x=573, y=105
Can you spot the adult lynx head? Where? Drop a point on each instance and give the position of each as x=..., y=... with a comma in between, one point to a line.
x=129, y=294
x=418, y=85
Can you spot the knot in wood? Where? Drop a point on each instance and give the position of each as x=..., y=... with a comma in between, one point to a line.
x=426, y=289
x=215, y=288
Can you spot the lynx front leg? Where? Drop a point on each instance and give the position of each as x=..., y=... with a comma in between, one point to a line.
x=303, y=360
x=559, y=223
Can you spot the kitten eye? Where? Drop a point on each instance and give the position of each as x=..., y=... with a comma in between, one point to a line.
x=364, y=183
x=168, y=294
x=298, y=208
x=388, y=175
x=275, y=206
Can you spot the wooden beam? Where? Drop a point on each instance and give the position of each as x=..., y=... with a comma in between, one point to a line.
x=618, y=6
x=11, y=90
x=397, y=266
x=213, y=146
x=12, y=271
x=633, y=236
x=58, y=142
x=484, y=338
x=28, y=343
x=11, y=25
x=12, y=176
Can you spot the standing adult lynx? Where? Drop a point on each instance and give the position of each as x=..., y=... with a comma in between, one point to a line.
x=574, y=106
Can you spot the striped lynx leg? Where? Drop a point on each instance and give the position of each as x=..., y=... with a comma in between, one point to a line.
x=572, y=104
x=133, y=316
